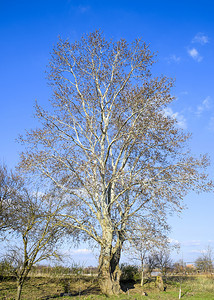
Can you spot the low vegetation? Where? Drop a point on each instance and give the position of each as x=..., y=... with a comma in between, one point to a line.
x=86, y=287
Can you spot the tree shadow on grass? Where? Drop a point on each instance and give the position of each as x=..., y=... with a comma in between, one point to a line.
x=185, y=293
x=95, y=290
x=127, y=285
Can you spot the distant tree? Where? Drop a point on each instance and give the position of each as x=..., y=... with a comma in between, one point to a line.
x=5, y=267
x=151, y=263
x=179, y=267
x=190, y=269
x=145, y=240
x=204, y=263
x=108, y=143
x=9, y=184
x=163, y=261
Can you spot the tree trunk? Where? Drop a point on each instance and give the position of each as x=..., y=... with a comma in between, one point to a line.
x=109, y=271
x=142, y=270
x=19, y=290
x=20, y=282
x=142, y=277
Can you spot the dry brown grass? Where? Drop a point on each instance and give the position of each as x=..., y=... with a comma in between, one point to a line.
x=86, y=288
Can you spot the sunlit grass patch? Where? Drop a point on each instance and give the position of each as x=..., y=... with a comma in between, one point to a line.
x=44, y=288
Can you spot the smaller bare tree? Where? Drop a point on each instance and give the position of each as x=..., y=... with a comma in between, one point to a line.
x=34, y=221
x=163, y=261
x=145, y=239
x=179, y=267
x=204, y=263
x=151, y=264
x=9, y=184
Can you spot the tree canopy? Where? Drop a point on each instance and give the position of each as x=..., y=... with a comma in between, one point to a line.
x=108, y=143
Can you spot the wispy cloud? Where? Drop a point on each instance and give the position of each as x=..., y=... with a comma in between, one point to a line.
x=195, y=54
x=191, y=243
x=195, y=251
x=203, y=251
x=174, y=59
x=82, y=9
x=173, y=241
x=181, y=121
x=200, y=38
x=184, y=93
x=81, y=251
x=211, y=124
x=204, y=106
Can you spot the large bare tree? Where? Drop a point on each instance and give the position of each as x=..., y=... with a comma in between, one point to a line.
x=108, y=144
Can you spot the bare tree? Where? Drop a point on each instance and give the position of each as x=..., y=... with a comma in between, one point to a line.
x=145, y=240
x=35, y=224
x=9, y=184
x=204, y=263
x=163, y=260
x=109, y=145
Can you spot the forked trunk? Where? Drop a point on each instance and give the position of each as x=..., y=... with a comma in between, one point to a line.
x=20, y=282
x=109, y=271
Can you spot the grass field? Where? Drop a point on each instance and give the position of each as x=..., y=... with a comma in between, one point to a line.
x=192, y=287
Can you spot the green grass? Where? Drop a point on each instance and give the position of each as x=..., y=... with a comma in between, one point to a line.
x=192, y=287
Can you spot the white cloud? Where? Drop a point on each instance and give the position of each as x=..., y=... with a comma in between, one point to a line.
x=200, y=38
x=195, y=54
x=81, y=251
x=211, y=124
x=195, y=251
x=173, y=241
x=82, y=9
x=203, y=251
x=184, y=93
x=204, y=106
x=174, y=58
x=181, y=121
x=191, y=243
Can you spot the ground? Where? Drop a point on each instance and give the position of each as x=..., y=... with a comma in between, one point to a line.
x=44, y=288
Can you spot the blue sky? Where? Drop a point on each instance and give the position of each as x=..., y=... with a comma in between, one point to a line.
x=182, y=32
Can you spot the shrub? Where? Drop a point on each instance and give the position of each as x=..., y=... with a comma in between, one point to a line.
x=6, y=268
x=129, y=273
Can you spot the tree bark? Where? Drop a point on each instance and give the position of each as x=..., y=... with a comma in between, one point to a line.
x=142, y=277
x=21, y=279
x=19, y=290
x=142, y=270
x=109, y=271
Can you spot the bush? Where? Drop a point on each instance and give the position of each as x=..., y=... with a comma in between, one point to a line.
x=129, y=273
x=6, y=268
